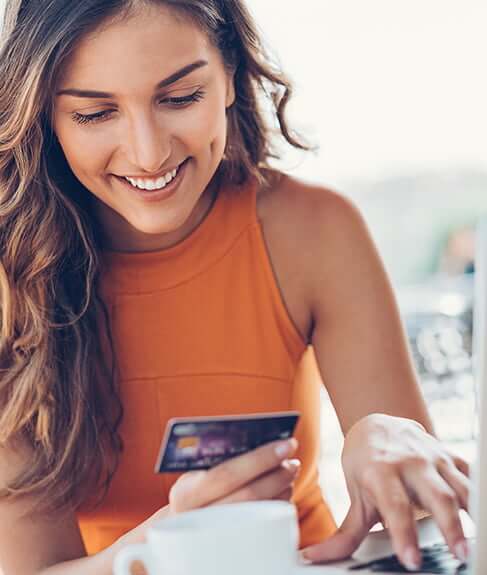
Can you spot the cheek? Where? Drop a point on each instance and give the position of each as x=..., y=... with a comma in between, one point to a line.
x=205, y=126
x=84, y=152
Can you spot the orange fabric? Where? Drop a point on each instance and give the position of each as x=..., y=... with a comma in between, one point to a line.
x=201, y=329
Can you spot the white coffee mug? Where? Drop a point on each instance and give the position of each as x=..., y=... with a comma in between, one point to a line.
x=251, y=538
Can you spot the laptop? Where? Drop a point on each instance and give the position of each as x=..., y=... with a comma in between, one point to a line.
x=375, y=554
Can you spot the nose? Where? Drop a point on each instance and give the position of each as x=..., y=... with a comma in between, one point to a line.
x=149, y=144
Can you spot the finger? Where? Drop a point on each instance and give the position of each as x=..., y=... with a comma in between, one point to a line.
x=205, y=487
x=458, y=481
x=344, y=541
x=435, y=494
x=292, y=465
x=233, y=474
x=395, y=507
x=286, y=495
x=461, y=465
x=186, y=493
x=268, y=486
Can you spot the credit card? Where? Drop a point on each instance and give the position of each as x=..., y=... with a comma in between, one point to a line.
x=192, y=443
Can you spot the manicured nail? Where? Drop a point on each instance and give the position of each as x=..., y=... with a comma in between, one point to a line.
x=304, y=559
x=292, y=464
x=305, y=554
x=411, y=559
x=462, y=551
x=286, y=447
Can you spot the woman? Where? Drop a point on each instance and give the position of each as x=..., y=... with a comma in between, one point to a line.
x=152, y=261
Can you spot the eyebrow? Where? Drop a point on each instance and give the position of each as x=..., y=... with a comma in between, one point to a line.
x=181, y=73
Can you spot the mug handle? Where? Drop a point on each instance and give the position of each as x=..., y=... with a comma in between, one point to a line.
x=126, y=556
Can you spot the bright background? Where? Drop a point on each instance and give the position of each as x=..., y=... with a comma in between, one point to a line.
x=395, y=94
x=385, y=86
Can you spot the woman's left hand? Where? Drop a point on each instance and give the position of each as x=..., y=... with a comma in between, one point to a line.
x=391, y=466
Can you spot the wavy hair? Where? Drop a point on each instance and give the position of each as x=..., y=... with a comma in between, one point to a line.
x=58, y=392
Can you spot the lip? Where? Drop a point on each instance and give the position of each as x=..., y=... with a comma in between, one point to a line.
x=159, y=195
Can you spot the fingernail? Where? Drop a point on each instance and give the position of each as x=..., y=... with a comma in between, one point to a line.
x=411, y=559
x=292, y=464
x=461, y=550
x=305, y=554
x=286, y=447
x=305, y=559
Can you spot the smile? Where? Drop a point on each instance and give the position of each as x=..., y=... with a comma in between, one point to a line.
x=153, y=183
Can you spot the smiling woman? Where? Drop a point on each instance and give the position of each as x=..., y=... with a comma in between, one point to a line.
x=120, y=125
x=137, y=128
x=153, y=265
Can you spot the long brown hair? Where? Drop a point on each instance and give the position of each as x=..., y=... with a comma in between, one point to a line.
x=57, y=380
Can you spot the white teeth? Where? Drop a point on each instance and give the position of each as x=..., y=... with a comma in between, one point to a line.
x=153, y=184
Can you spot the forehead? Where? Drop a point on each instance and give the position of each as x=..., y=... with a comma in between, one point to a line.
x=144, y=47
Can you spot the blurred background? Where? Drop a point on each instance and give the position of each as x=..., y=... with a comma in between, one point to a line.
x=394, y=94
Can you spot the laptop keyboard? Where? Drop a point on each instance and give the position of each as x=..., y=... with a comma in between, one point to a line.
x=437, y=558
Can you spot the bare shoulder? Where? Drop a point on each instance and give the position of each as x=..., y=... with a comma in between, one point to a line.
x=312, y=210
x=312, y=234
x=319, y=231
x=339, y=285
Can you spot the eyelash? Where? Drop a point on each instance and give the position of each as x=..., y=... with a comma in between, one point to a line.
x=177, y=102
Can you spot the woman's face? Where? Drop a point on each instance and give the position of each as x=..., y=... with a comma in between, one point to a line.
x=140, y=113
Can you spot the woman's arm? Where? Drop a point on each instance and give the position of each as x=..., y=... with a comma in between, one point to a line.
x=102, y=562
x=340, y=298
x=390, y=462
x=358, y=336
x=31, y=540
x=34, y=543
x=55, y=541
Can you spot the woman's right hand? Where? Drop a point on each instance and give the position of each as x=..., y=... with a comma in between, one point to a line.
x=266, y=472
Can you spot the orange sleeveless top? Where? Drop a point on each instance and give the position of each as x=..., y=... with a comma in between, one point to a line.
x=201, y=329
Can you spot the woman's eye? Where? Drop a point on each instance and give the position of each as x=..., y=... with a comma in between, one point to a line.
x=181, y=101
x=175, y=101
x=91, y=118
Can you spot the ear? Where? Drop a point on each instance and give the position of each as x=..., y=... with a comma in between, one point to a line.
x=230, y=98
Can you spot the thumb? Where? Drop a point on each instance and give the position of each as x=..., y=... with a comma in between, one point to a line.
x=187, y=492
x=344, y=541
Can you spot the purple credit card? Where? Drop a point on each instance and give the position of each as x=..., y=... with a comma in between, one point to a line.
x=202, y=442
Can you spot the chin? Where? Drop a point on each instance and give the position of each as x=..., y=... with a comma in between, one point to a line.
x=156, y=228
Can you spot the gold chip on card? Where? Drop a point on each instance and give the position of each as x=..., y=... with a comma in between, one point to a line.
x=185, y=442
